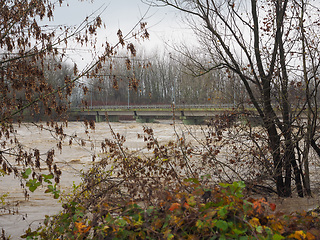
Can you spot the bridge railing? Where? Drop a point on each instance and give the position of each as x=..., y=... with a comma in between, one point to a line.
x=165, y=106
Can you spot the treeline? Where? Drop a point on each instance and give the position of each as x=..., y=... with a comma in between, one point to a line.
x=158, y=79
x=53, y=76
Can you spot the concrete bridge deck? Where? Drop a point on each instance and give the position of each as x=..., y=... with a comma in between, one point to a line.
x=190, y=114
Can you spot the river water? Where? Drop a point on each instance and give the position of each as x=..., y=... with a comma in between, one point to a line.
x=72, y=159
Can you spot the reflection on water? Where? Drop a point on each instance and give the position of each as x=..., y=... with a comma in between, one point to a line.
x=76, y=157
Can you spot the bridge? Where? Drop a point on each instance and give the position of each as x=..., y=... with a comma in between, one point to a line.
x=189, y=114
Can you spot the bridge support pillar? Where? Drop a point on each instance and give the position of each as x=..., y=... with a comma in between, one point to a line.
x=254, y=121
x=100, y=118
x=113, y=118
x=192, y=120
x=144, y=119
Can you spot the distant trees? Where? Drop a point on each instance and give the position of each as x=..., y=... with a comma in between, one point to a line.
x=159, y=78
x=273, y=49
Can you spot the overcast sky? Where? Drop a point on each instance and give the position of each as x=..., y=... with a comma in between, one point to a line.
x=165, y=24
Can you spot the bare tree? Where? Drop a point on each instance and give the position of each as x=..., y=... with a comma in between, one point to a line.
x=31, y=55
x=271, y=46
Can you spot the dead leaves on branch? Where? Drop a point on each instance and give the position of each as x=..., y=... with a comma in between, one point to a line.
x=33, y=81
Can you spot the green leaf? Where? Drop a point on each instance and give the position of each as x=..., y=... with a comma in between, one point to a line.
x=278, y=237
x=199, y=224
x=170, y=236
x=259, y=229
x=166, y=223
x=208, y=176
x=224, y=185
x=2, y=173
x=47, y=177
x=239, y=184
x=223, y=225
x=191, y=201
x=121, y=222
x=56, y=195
x=244, y=238
x=33, y=184
x=222, y=237
x=239, y=231
x=26, y=174
x=223, y=211
x=61, y=229
x=194, y=180
x=150, y=210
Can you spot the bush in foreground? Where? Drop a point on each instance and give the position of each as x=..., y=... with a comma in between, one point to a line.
x=219, y=213
x=164, y=192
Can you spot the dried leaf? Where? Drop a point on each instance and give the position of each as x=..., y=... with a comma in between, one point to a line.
x=174, y=206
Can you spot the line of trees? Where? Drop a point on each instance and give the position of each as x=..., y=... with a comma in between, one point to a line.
x=180, y=78
x=160, y=79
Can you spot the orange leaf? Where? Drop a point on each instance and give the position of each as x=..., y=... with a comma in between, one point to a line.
x=174, y=206
x=186, y=205
x=81, y=228
x=272, y=206
x=258, y=205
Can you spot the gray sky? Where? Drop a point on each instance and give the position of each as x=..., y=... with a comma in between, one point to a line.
x=165, y=24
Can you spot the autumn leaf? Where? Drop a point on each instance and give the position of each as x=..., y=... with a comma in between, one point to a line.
x=81, y=228
x=278, y=226
x=272, y=206
x=174, y=206
x=313, y=214
x=254, y=222
x=300, y=235
x=310, y=236
x=186, y=205
x=258, y=205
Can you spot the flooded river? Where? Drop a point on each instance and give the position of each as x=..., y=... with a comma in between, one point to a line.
x=74, y=158
x=71, y=160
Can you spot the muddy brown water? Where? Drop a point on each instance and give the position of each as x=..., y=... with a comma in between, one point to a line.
x=30, y=213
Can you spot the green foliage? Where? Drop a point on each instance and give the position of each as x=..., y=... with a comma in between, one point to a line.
x=53, y=189
x=26, y=173
x=34, y=183
x=3, y=198
x=4, y=195
x=181, y=215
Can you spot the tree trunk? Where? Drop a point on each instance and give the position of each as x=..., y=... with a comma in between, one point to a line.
x=274, y=143
x=296, y=170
